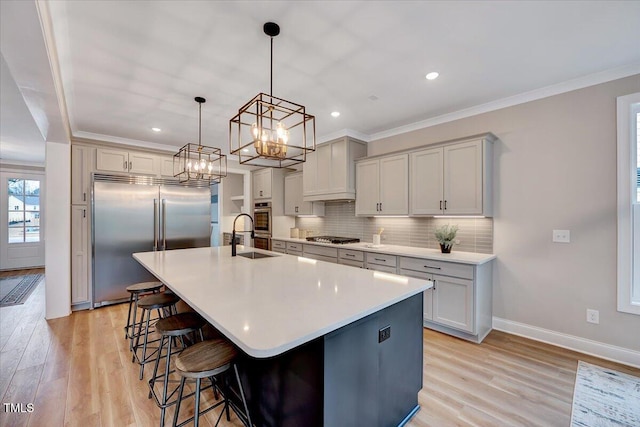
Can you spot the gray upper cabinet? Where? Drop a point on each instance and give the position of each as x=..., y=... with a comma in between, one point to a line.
x=328, y=173
x=294, y=205
x=383, y=186
x=262, y=184
x=112, y=160
x=454, y=179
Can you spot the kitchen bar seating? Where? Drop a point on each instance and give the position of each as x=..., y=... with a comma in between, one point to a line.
x=161, y=302
x=209, y=359
x=136, y=291
x=171, y=328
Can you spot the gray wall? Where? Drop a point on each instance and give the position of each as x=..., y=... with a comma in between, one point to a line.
x=555, y=168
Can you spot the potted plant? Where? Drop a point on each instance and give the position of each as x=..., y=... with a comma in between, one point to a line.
x=446, y=236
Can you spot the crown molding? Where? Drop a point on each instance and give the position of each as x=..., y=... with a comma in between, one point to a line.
x=97, y=137
x=556, y=89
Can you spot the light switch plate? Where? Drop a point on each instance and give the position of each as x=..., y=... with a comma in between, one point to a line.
x=561, y=236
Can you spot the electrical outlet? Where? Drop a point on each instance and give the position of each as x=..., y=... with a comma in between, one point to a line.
x=593, y=316
x=384, y=333
x=562, y=236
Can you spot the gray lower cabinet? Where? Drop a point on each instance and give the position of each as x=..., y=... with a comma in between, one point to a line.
x=294, y=248
x=460, y=302
x=321, y=253
x=381, y=262
x=351, y=257
x=279, y=246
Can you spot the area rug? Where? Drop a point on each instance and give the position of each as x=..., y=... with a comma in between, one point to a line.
x=16, y=289
x=604, y=397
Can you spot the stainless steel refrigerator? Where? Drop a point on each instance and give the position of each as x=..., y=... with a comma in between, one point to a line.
x=140, y=214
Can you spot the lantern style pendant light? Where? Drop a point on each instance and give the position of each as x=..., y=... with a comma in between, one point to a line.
x=197, y=162
x=269, y=131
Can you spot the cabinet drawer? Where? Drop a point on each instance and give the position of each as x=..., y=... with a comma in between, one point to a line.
x=348, y=254
x=294, y=247
x=279, y=250
x=278, y=244
x=444, y=268
x=321, y=250
x=381, y=259
x=359, y=264
x=321, y=257
x=385, y=268
x=292, y=252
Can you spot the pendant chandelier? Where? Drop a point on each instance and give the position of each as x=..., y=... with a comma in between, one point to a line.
x=269, y=131
x=197, y=162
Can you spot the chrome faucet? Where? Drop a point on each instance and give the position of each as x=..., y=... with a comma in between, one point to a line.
x=233, y=232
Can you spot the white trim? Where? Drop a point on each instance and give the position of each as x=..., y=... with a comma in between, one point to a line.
x=18, y=164
x=556, y=89
x=571, y=342
x=626, y=165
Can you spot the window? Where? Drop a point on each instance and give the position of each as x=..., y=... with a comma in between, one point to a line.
x=628, y=111
x=24, y=218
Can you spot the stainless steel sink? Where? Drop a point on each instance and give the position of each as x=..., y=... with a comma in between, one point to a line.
x=255, y=255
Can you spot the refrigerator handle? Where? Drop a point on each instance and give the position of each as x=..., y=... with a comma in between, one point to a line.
x=155, y=224
x=164, y=224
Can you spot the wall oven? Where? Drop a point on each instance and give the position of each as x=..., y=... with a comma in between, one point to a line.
x=262, y=218
x=262, y=225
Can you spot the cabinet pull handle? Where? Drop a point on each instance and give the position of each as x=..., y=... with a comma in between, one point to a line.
x=352, y=255
x=378, y=259
x=445, y=205
x=130, y=165
x=380, y=206
x=440, y=204
x=84, y=197
x=125, y=165
x=434, y=284
x=435, y=268
x=84, y=213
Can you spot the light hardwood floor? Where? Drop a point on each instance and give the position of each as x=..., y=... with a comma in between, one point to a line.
x=77, y=371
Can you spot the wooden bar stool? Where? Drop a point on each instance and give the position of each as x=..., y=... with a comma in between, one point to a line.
x=161, y=302
x=170, y=328
x=208, y=359
x=135, y=292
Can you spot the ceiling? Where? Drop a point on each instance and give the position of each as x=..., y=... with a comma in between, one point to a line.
x=129, y=66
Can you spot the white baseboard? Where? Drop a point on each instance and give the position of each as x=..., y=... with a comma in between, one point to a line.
x=571, y=342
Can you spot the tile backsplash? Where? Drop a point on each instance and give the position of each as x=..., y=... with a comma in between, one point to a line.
x=475, y=234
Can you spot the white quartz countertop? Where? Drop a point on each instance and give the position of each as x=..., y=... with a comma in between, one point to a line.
x=270, y=305
x=410, y=251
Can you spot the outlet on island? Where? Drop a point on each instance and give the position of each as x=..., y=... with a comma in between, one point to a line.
x=384, y=333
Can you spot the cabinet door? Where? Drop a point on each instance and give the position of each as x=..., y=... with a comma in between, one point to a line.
x=310, y=174
x=339, y=170
x=142, y=163
x=453, y=303
x=166, y=166
x=262, y=184
x=394, y=185
x=425, y=182
x=463, y=178
x=80, y=174
x=324, y=169
x=427, y=295
x=292, y=194
x=79, y=255
x=112, y=160
x=368, y=187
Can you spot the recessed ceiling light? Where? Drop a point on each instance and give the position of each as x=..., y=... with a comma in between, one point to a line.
x=156, y=129
x=335, y=114
x=432, y=76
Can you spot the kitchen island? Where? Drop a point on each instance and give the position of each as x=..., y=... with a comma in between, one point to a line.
x=324, y=344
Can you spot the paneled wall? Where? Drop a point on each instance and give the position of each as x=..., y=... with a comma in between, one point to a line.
x=475, y=234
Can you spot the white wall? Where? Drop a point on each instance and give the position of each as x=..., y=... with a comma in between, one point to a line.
x=58, y=231
x=555, y=168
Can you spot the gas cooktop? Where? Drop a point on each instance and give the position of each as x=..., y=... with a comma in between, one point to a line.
x=333, y=239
